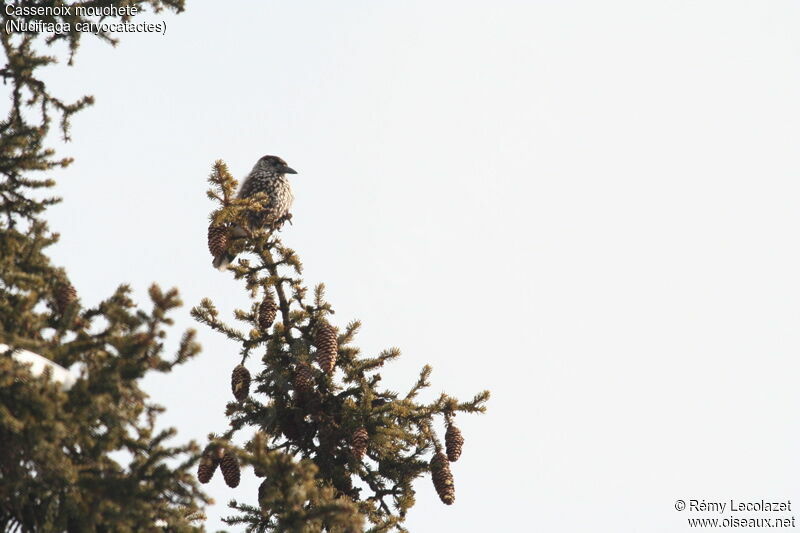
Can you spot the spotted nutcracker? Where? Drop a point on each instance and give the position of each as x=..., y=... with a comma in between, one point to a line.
x=268, y=176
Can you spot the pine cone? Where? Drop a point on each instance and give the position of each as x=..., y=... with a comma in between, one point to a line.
x=359, y=442
x=343, y=482
x=303, y=379
x=207, y=466
x=443, y=478
x=217, y=240
x=292, y=430
x=65, y=294
x=292, y=425
x=230, y=469
x=263, y=492
x=453, y=442
x=327, y=348
x=267, y=311
x=240, y=382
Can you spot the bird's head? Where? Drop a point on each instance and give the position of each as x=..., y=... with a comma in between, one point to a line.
x=274, y=165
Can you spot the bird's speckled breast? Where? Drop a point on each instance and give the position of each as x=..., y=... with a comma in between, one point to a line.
x=278, y=190
x=283, y=196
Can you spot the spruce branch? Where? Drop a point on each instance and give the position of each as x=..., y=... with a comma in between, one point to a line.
x=60, y=468
x=318, y=429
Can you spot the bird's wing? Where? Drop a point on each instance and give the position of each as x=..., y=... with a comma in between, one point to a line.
x=253, y=183
x=246, y=189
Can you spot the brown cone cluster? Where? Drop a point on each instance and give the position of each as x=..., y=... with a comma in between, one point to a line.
x=327, y=348
x=240, y=382
x=208, y=465
x=453, y=441
x=359, y=442
x=229, y=465
x=217, y=240
x=65, y=294
x=303, y=379
x=443, y=478
x=267, y=311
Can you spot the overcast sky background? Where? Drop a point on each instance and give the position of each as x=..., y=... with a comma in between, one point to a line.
x=590, y=208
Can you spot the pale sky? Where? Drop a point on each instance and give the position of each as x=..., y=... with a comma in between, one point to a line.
x=589, y=208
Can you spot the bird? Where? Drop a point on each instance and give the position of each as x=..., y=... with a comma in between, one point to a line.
x=268, y=176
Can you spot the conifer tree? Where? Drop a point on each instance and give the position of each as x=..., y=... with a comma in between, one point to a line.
x=337, y=451
x=85, y=458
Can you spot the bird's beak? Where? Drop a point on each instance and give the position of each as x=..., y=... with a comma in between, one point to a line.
x=288, y=170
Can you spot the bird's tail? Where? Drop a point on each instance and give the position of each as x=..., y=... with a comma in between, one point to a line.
x=222, y=261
